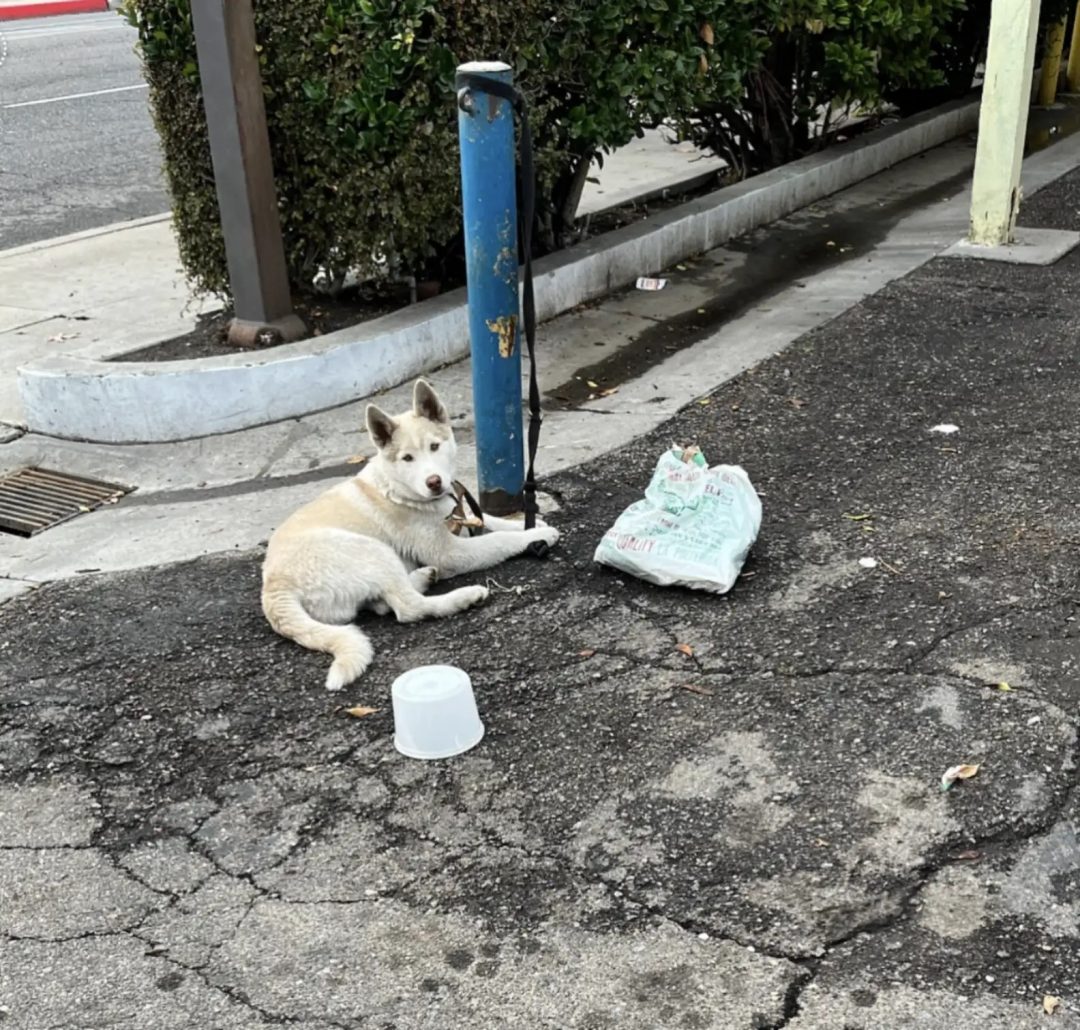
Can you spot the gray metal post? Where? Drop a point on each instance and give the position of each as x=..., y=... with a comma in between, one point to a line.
x=243, y=172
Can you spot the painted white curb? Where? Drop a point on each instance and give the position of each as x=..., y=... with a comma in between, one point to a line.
x=131, y=402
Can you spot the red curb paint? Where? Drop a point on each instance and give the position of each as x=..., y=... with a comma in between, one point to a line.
x=43, y=8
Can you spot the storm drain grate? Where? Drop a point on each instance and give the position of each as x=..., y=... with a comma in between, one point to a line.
x=33, y=500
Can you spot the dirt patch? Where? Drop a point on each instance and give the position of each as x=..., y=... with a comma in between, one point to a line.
x=321, y=315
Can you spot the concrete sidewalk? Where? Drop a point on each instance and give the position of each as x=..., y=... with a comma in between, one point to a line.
x=688, y=811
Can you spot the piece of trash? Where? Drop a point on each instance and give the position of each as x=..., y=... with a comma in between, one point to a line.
x=857, y=518
x=705, y=400
x=868, y=563
x=957, y=772
x=701, y=311
x=946, y=427
x=645, y=283
x=1034, y=719
x=587, y=653
x=360, y=711
x=681, y=268
x=1004, y=686
x=591, y=385
x=356, y=459
x=1050, y=1004
x=831, y=243
x=60, y=337
x=608, y=392
x=686, y=649
x=971, y=855
x=796, y=402
x=693, y=528
x=695, y=689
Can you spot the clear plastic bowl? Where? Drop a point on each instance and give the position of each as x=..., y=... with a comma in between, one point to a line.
x=435, y=712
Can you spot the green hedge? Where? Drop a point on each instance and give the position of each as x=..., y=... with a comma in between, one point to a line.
x=359, y=98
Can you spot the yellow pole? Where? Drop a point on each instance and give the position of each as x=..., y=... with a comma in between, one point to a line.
x=1051, y=67
x=1006, y=96
x=1072, y=75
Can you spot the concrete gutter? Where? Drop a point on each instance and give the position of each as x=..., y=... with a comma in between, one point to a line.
x=79, y=398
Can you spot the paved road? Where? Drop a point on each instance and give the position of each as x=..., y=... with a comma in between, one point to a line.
x=77, y=146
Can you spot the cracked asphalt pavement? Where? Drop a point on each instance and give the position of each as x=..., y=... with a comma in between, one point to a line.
x=193, y=834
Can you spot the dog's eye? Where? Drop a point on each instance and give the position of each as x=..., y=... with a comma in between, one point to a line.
x=406, y=457
x=434, y=446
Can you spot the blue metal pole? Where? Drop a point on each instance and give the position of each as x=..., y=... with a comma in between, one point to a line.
x=489, y=202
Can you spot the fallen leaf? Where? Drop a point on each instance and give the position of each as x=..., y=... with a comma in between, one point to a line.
x=356, y=459
x=1004, y=686
x=587, y=653
x=1050, y=1004
x=705, y=400
x=695, y=689
x=957, y=772
x=681, y=268
x=707, y=36
x=591, y=385
x=796, y=402
x=858, y=518
x=360, y=711
x=686, y=649
x=608, y=392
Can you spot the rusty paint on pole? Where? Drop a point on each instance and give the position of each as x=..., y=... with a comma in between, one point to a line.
x=243, y=172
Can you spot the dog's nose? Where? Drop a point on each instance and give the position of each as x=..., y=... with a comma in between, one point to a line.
x=434, y=484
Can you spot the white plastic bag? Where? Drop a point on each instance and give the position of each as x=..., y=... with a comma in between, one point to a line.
x=694, y=527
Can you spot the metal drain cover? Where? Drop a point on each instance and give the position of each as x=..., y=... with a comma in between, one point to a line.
x=33, y=500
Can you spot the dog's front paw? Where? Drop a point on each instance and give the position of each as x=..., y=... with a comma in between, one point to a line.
x=474, y=595
x=543, y=534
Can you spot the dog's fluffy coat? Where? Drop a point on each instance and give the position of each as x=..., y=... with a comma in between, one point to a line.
x=380, y=540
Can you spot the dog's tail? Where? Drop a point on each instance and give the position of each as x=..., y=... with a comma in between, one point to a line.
x=351, y=649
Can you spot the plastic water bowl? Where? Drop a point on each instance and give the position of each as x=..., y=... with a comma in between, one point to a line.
x=435, y=712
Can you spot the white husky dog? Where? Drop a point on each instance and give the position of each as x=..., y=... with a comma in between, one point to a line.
x=380, y=540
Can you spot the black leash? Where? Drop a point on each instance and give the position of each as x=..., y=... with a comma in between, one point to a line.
x=526, y=214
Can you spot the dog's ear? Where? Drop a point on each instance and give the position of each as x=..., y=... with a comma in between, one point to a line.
x=380, y=425
x=426, y=403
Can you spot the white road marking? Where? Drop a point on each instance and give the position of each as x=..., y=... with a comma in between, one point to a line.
x=73, y=96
